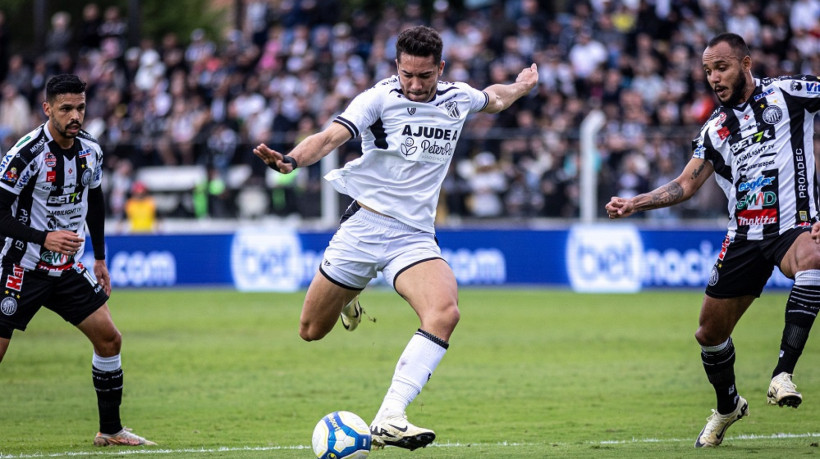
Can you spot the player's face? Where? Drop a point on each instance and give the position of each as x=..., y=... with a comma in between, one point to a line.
x=65, y=116
x=726, y=74
x=418, y=76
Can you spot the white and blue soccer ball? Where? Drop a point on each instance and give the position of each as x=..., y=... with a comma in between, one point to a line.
x=341, y=434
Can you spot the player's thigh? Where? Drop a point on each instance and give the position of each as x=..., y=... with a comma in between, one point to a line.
x=324, y=300
x=431, y=289
x=4, y=345
x=802, y=255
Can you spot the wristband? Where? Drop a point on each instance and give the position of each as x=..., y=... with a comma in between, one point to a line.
x=287, y=159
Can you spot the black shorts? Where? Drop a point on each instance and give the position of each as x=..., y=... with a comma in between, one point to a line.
x=743, y=267
x=74, y=295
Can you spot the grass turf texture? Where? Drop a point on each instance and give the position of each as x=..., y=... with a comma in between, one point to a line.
x=530, y=373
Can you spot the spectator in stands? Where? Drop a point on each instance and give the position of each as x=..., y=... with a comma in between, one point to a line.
x=141, y=210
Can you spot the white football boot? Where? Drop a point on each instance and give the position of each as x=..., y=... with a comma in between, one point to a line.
x=351, y=314
x=394, y=430
x=782, y=391
x=716, y=424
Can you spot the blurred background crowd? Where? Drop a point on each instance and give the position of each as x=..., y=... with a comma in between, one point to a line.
x=287, y=67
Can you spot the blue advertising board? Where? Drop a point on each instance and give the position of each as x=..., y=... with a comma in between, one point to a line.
x=586, y=258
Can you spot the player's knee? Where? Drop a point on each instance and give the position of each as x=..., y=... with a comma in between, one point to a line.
x=708, y=337
x=310, y=332
x=110, y=345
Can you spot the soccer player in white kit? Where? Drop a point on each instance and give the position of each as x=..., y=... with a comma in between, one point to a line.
x=409, y=125
x=759, y=145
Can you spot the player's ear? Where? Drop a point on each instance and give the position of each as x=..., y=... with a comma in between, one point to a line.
x=441, y=68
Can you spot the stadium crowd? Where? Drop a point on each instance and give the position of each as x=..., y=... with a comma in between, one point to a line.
x=200, y=100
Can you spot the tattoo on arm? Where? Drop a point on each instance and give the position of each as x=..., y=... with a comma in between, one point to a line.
x=664, y=196
x=697, y=171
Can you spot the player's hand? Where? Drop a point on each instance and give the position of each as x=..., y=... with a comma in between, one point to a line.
x=274, y=159
x=63, y=241
x=619, y=207
x=101, y=273
x=528, y=76
x=815, y=232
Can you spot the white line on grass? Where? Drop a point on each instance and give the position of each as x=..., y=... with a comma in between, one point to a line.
x=123, y=452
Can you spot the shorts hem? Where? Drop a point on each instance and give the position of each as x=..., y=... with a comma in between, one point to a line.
x=340, y=284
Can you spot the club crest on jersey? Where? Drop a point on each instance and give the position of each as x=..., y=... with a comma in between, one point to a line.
x=86, y=177
x=411, y=110
x=797, y=86
x=452, y=109
x=8, y=306
x=772, y=115
x=50, y=159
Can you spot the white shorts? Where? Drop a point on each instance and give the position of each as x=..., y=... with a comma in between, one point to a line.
x=367, y=243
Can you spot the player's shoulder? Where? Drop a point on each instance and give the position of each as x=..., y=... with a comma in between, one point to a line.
x=30, y=145
x=89, y=141
x=803, y=84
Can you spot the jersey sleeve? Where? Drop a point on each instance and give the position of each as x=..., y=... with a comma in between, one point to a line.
x=478, y=99
x=364, y=110
x=15, y=172
x=805, y=88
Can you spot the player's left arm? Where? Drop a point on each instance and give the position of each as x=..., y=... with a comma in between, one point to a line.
x=503, y=95
x=95, y=219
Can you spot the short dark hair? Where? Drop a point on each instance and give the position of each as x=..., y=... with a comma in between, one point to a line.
x=421, y=41
x=735, y=41
x=65, y=83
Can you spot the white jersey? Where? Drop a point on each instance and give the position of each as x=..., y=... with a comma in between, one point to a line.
x=763, y=156
x=406, y=148
x=52, y=186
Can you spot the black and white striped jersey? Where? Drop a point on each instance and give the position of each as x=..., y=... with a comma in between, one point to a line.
x=52, y=186
x=407, y=147
x=763, y=156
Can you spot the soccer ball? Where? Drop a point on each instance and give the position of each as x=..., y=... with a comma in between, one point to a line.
x=341, y=434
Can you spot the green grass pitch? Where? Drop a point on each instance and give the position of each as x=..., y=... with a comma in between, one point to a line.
x=530, y=373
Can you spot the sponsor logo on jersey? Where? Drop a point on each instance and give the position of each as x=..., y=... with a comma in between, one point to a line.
x=84, y=153
x=755, y=183
x=772, y=115
x=38, y=145
x=797, y=86
x=723, y=133
x=756, y=137
x=768, y=92
x=758, y=200
x=757, y=217
x=11, y=176
x=69, y=198
x=15, y=279
x=812, y=87
x=407, y=148
x=51, y=176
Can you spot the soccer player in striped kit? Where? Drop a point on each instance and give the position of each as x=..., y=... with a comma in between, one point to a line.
x=50, y=188
x=759, y=145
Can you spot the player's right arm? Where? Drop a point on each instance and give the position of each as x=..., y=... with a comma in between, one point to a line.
x=694, y=175
x=62, y=241
x=307, y=152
